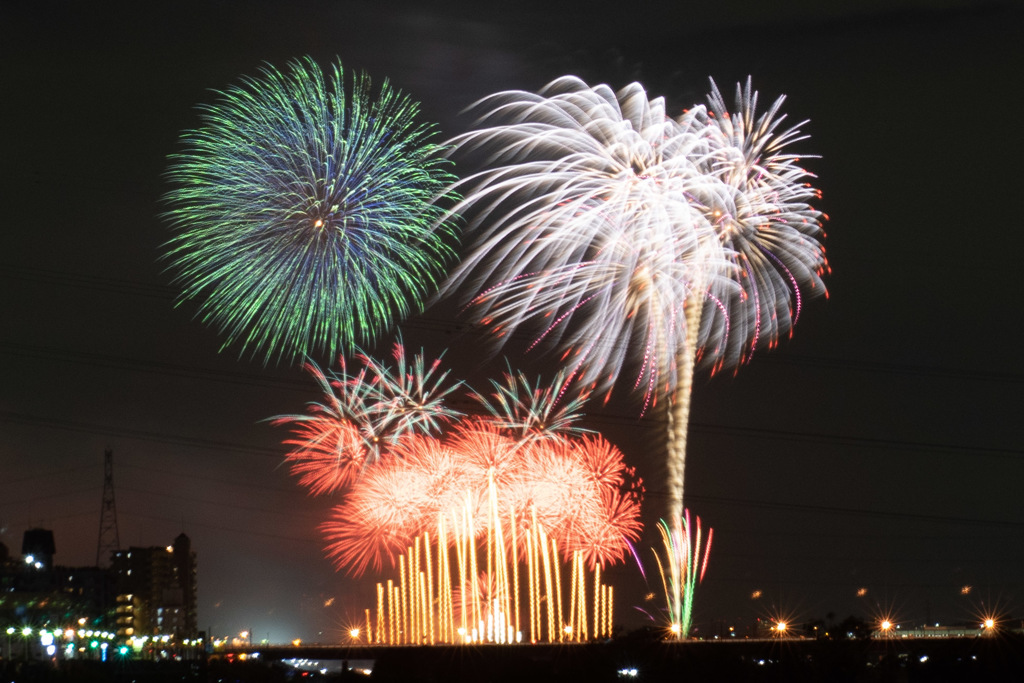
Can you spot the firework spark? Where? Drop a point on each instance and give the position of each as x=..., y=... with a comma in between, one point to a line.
x=536, y=410
x=303, y=211
x=364, y=415
x=397, y=500
x=411, y=396
x=333, y=440
x=767, y=225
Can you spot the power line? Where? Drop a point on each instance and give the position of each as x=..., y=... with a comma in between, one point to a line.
x=815, y=509
x=191, y=475
x=845, y=440
x=701, y=428
x=827, y=509
x=427, y=323
x=217, y=503
x=158, y=437
x=48, y=475
x=91, y=282
x=161, y=368
x=236, y=531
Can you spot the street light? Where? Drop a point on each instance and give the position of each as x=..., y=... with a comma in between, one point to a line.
x=25, y=633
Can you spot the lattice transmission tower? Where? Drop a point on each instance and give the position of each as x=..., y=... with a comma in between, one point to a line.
x=108, y=541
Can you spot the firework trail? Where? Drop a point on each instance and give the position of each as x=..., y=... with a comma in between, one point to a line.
x=681, y=569
x=304, y=211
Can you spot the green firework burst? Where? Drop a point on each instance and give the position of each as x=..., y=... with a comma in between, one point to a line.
x=305, y=210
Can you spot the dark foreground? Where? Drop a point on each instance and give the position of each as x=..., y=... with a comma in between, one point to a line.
x=993, y=658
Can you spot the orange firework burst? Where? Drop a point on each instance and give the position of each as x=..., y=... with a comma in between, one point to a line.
x=403, y=497
x=416, y=466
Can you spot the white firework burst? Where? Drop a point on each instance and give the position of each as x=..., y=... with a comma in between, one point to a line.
x=625, y=235
x=765, y=221
x=592, y=223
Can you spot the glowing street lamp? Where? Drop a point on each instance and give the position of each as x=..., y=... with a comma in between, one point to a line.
x=25, y=633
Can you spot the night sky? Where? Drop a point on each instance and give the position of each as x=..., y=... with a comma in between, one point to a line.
x=879, y=448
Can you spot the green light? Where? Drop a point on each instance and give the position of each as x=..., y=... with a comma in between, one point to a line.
x=305, y=214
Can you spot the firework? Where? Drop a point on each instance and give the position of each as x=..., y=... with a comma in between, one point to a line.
x=521, y=486
x=536, y=410
x=304, y=211
x=364, y=415
x=333, y=440
x=766, y=223
x=580, y=493
x=593, y=224
x=397, y=500
x=411, y=396
x=443, y=595
x=613, y=228
x=591, y=214
x=681, y=569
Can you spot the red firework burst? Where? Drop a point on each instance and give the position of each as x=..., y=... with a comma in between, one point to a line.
x=329, y=453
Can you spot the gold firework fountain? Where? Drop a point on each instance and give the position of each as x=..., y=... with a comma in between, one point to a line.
x=461, y=586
